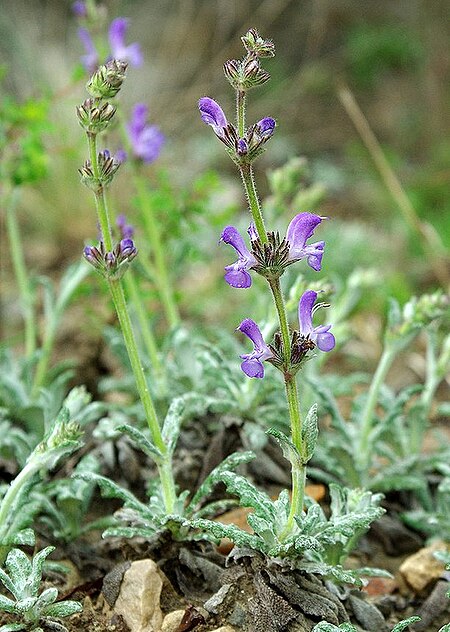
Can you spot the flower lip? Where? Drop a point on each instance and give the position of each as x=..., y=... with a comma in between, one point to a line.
x=116, y=35
x=146, y=140
x=266, y=126
x=212, y=114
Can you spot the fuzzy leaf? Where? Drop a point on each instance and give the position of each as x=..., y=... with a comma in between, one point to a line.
x=230, y=463
x=6, y=604
x=144, y=444
x=401, y=625
x=25, y=537
x=63, y=609
x=237, y=536
x=109, y=489
x=290, y=452
x=12, y=627
x=249, y=495
x=310, y=432
x=37, y=564
x=129, y=532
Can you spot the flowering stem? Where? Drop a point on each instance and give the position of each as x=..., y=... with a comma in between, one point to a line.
x=118, y=296
x=164, y=467
x=20, y=271
x=240, y=112
x=362, y=452
x=102, y=211
x=253, y=201
x=161, y=276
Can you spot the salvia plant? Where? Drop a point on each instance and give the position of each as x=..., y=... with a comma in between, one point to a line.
x=34, y=610
x=282, y=527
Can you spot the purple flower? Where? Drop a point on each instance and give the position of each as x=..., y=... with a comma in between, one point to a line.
x=126, y=230
x=79, y=9
x=90, y=60
x=299, y=231
x=320, y=335
x=116, y=34
x=265, y=127
x=212, y=114
x=252, y=364
x=146, y=140
x=236, y=274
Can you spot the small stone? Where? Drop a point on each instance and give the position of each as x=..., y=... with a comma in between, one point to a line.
x=377, y=586
x=172, y=621
x=422, y=569
x=224, y=628
x=138, y=600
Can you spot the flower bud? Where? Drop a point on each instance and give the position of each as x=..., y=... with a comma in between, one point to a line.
x=257, y=45
x=94, y=117
x=113, y=264
x=107, y=167
x=107, y=81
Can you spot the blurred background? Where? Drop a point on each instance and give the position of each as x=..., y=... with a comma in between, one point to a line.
x=388, y=60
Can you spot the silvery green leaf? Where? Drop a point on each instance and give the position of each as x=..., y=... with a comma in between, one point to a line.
x=239, y=537
x=37, y=564
x=12, y=627
x=63, y=609
x=6, y=604
x=130, y=532
x=216, y=508
x=249, y=495
x=262, y=527
x=399, y=627
x=109, y=489
x=8, y=583
x=180, y=407
x=47, y=597
x=145, y=445
x=230, y=463
x=26, y=605
x=290, y=452
x=23, y=538
x=306, y=543
x=445, y=628
x=310, y=432
x=324, y=626
x=367, y=571
x=19, y=567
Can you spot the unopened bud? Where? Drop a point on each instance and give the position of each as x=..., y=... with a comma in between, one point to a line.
x=257, y=45
x=107, y=81
x=95, y=118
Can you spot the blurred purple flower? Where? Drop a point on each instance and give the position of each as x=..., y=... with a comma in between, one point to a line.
x=320, y=335
x=299, y=231
x=79, y=9
x=90, y=60
x=237, y=273
x=119, y=50
x=146, y=140
x=265, y=127
x=126, y=230
x=212, y=114
x=252, y=364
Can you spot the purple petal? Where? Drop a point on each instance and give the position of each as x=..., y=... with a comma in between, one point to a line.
x=252, y=232
x=237, y=277
x=325, y=341
x=305, y=307
x=79, y=9
x=90, y=60
x=253, y=368
x=252, y=331
x=149, y=144
x=212, y=114
x=116, y=34
x=299, y=231
x=314, y=254
x=231, y=235
x=119, y=50
x=266, y=126
x=138, y=119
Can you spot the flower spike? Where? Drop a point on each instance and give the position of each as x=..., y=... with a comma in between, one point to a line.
x=252, y=362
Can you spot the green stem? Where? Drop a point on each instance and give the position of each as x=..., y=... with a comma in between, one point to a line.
x=164, y=468
x=100, y=203
x=240, y=112
x=161, y=277
x=362, y=455
x=246, y=172
x=282, y=318
x=132, y=288
x=20, y=271
x=6, y=505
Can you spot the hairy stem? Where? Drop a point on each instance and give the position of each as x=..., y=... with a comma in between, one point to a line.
x=100, y=203
x=246, y=172
x=240, y=112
